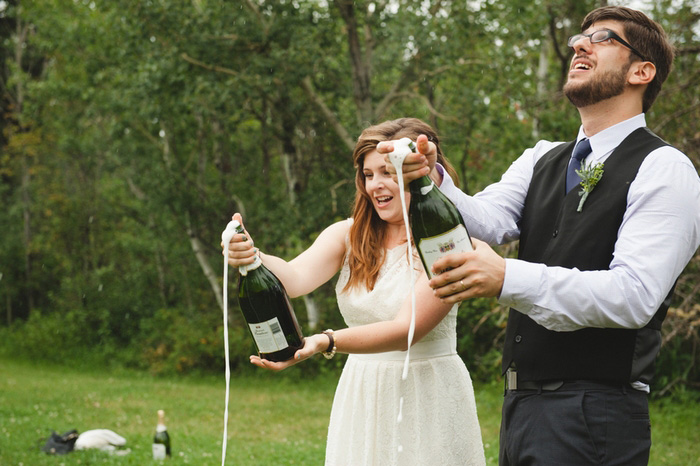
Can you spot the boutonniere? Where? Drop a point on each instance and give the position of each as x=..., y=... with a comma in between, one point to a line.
x=590, y=175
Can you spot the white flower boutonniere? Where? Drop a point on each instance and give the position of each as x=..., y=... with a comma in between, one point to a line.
x=590, y=175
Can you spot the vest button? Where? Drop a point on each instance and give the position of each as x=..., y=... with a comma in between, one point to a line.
x=518, y=338
x=556, y=232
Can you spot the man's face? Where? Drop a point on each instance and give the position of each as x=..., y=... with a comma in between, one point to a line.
x=598, y=71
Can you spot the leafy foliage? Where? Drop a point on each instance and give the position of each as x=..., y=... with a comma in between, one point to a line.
x=131, y=131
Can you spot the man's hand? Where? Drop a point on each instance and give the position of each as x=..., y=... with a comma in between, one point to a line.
x=475, y=274
x=415, y=165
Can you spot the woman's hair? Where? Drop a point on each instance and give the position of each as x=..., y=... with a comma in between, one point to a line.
x=645, y=35
x=368, y=231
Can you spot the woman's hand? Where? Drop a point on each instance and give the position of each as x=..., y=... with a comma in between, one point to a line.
x=241, y=250
x=312, y=345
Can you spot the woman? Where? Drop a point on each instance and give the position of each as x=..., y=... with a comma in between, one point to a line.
x=439, y=423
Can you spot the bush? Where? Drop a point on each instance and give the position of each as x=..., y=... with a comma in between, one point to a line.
x=72, y=338
x=480, y=330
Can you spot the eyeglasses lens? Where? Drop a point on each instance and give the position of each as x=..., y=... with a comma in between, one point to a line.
x=597, y=36
x=600, y=36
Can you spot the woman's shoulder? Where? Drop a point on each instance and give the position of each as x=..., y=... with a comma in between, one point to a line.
x=337, y=232
x=342, y=226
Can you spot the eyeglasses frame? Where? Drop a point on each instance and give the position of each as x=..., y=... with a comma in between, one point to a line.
x=610, y=35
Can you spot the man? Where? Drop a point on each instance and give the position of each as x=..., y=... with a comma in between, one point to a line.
x=593, y=279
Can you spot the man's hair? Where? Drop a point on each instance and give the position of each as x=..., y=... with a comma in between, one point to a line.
x=645, y=35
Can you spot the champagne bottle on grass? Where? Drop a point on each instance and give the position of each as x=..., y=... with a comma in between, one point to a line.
x=268, y=311
x=161, y=440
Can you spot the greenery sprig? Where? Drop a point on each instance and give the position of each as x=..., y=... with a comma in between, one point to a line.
x=590, y=175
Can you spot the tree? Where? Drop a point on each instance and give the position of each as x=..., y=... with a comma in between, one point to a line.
x=145, y=125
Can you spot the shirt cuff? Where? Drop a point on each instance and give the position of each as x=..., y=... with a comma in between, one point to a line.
x=441, y=170
x=520, y=284
x=447, y=186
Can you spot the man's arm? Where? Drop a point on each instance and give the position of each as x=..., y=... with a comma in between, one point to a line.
x=493, y=214
x=659, y=234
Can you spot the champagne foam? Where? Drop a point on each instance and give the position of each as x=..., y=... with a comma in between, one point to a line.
x=399, y=154
x=401, y=151
x=226, y=236
x=228, y=233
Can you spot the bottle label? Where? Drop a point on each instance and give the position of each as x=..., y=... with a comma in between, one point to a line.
x=158, y=451
x=426, y=189
x=435, y=247
x=244, y=269
x=269, y=336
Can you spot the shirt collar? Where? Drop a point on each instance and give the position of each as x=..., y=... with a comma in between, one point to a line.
x=604, y=142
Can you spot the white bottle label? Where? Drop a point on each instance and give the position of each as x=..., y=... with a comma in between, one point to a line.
x=158, y=451
x=268, y=336
x=426, y=189
x=244, y=269
x=435, y=247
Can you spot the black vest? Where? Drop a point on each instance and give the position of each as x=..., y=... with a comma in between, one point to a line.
x=552, y=232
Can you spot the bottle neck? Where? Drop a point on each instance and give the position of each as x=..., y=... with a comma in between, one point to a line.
x=244, y=269
x=160, y=427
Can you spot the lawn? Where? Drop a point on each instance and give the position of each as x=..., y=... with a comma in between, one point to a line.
x=273, y=419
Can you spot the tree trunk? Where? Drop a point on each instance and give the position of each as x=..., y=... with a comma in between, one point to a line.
x=25, y=197
x=200, y=254
x=328, y=114
x=359, y=60
x=541, y=88
x=312, y=313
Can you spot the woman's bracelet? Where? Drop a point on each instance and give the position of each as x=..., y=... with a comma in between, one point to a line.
x=330, y=351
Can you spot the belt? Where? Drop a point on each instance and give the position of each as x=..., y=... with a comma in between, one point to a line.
x=512, y=383
x=420, y=350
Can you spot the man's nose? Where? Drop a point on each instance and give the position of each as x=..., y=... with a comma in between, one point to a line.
x=581, y=44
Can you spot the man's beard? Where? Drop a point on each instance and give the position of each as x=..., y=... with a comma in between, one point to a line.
x=602, y=87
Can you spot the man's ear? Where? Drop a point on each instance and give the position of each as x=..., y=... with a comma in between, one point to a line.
x=641, y=73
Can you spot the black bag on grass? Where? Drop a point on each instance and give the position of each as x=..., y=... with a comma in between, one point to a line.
x=60, y=444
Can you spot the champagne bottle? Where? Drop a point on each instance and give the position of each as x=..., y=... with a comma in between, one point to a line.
x=161, y=441
x=436, y=225
x=268, y=311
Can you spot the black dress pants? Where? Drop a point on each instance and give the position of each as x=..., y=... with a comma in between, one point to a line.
x=578, y=424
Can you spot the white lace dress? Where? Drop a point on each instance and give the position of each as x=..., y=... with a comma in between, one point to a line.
x=439, y=424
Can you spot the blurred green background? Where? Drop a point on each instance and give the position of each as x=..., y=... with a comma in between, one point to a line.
x=133, y=130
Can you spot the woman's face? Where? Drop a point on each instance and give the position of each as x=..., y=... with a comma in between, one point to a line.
x=382, y=189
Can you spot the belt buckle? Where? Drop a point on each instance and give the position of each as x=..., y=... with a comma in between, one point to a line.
x=511, y=379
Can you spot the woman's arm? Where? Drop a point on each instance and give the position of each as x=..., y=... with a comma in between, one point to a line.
x=308, y=270
x=377, y=337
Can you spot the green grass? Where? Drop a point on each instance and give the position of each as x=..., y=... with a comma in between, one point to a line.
x=274, y=419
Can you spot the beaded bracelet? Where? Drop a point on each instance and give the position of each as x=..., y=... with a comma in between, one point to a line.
x=330, y=351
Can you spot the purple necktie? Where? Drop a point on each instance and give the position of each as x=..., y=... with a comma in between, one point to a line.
x=581, y=151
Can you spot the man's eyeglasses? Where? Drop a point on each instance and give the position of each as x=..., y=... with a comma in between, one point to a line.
x=601, y=36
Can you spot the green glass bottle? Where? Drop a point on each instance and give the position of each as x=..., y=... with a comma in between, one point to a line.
x=161, y=441
x=268, y=311
x=436, y=225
